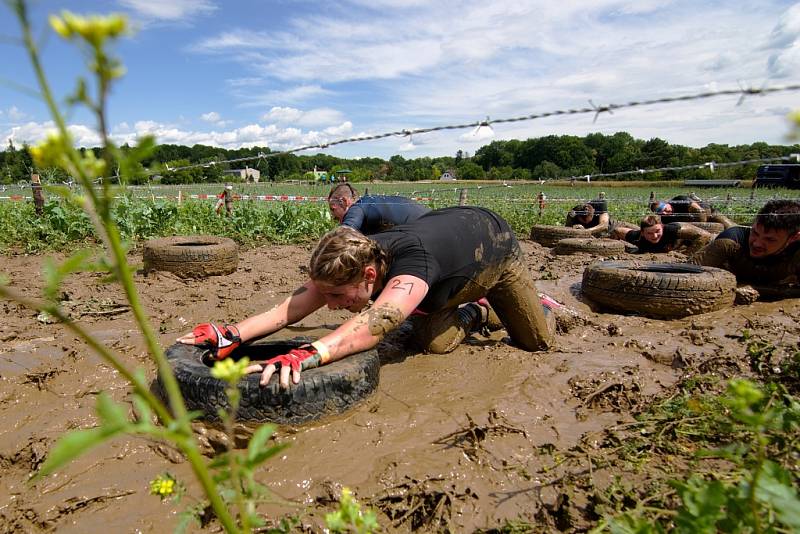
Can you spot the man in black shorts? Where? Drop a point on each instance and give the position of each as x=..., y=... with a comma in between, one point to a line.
x=372, y=213
x=766, y=256
x=655, y=236
x=593, y=216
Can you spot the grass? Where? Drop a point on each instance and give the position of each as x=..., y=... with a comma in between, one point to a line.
x=153, y=211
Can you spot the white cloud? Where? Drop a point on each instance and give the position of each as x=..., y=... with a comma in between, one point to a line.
x=211, y=116
x=786, y=30
x=32, y=133
x=313, y=117
x=298, y=93
x=172, y=10
x=343, y=129
x=15, y=114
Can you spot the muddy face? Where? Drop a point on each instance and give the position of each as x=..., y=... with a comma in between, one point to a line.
x=456, y=442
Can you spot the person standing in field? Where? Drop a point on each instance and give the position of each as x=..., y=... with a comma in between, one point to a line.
x=225, y=199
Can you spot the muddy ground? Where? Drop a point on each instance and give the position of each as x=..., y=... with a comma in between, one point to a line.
x=458, y=442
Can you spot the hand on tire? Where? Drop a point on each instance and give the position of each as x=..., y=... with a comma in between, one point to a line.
x=294, y=361
x=221, y=340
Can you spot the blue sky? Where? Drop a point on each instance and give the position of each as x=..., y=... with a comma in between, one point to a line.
x=287, y=73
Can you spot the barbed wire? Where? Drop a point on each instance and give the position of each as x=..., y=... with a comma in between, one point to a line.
x=487, y=122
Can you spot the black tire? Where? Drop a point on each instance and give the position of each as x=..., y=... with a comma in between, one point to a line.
x=326, y=390
x=548, y=236
x=658, y=290
x=192, y=256
x=589, y=245
x=710, y=227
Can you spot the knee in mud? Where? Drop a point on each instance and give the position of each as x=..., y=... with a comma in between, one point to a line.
x=384, y=319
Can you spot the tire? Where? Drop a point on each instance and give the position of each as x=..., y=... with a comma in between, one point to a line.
x=658, y=290
x=192, y=256
x=548, y=236
x=326, y=390
x=589, y=245
x=710, y=227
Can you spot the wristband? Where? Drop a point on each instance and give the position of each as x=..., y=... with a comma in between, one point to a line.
x=322, y=350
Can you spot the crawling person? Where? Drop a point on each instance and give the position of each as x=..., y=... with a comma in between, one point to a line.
x=372, y=213
x=592, y=215
x=688, y=208
x=655, y=236
x=435, y=267
x=766, y=256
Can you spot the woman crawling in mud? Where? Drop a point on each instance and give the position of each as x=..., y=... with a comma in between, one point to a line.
x=442, y=270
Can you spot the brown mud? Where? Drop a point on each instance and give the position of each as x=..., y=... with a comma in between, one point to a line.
x=457, y=442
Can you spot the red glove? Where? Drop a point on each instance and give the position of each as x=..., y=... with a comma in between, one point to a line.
x=221, y=340
x=298, y=359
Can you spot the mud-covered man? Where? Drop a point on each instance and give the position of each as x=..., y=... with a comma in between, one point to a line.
x=655, y=236
x=766, y=256
x=688, y=208
x=592, y=216
x=372, y=213
x=439, y=268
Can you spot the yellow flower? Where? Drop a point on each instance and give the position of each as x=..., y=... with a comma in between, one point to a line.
x=163, y=486
x=229, y=370
x=93, y=29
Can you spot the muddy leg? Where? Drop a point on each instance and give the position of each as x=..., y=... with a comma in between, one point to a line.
x=443, y=331
x=516, y=302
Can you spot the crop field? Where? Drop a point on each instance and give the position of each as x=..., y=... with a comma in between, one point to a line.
x=289, y=213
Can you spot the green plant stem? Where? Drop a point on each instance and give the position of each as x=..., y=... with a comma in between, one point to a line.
x=124, y=277
x=236, y=476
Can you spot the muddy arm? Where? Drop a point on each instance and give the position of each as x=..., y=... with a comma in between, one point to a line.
x=602, y=226
x=717, y=253
x=401, y=296
x=304, y=301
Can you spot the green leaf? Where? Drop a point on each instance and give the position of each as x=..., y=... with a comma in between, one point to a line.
x=54, y=273
x=143, y=411
x=775, y=490
x=111, y=413
x=72, y=445
x=264, y=455
x=259, y=439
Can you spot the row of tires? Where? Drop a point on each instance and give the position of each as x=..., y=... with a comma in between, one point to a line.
x=549, y=236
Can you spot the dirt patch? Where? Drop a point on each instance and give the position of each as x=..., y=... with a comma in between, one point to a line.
x=466, y=441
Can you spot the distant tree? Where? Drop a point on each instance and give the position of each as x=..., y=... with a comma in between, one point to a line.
x=469, y=170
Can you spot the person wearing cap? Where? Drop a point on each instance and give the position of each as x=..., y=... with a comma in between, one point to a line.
x=371, y=214
x=765, y=256
x=688, y=208
x=592, y=215
x=655, y=236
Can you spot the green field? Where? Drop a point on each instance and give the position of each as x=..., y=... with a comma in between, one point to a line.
x=147, y=212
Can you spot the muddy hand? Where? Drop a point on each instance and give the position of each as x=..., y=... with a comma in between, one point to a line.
x=292, y=362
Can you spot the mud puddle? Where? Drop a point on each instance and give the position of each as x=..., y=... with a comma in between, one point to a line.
x=454, y=442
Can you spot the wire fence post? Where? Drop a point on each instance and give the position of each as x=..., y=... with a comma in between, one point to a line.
x=38, y=194
x=462, y=197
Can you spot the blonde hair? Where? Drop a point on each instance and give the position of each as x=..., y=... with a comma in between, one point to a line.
x=342, y=254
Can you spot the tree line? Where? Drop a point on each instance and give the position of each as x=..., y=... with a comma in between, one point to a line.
x=548, y=157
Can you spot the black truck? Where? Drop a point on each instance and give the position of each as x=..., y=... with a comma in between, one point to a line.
x=781, y=175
